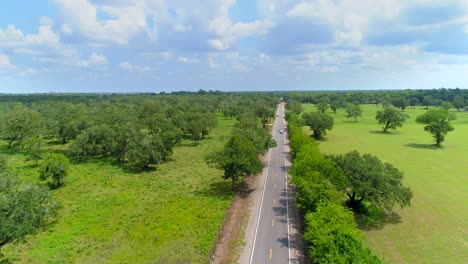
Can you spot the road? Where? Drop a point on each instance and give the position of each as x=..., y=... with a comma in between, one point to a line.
x=270, y=235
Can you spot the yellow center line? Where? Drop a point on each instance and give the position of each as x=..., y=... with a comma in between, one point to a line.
x=271, y=251
x=274, y=201
x=275, y=185
x=272, y=222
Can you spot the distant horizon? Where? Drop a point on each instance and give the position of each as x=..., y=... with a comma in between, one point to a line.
x=229, y=91
x=135, y=46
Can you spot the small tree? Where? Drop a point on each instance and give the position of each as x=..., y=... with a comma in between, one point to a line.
x=322, y=106
x=318, y=122
x=54, y=169
x=34, y=145
x=369, y=179
x=458, y=102
x=354, y=111
x=294, y=106
x=446, y=105
x=414, y=102
x=237, y=159
x=264, y=113
x=390, y=118
x=437, y=123
x=24, y=208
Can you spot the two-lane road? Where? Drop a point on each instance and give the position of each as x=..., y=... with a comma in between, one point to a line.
x=271, y=243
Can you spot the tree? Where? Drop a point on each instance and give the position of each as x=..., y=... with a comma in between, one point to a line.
x=34, y=145
x=446, y=105
x=369, y=179
x=264, y=113
x=54, y=170
x=428, y=101
x=336, y=103
x=322, y=106
x=237, y=159
x=145, y=150
x=437, y=123
x=332, y=232
x=353, y=110
x=318, y=122
x=18, y=124
x=458, y=102
x=294, y=106
x=400, y=102
x=24, y=208
x=414, y=102
x=390, y=118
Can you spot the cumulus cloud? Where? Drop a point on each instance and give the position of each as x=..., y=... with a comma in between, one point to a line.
x=130, y=67
x=94, y=60
x=188, y=60
x=5, y=64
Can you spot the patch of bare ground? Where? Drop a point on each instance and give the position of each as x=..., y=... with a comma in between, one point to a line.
x=231, y=234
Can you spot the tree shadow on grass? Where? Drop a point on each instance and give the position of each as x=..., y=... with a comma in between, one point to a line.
x=219, y=189
x=423, y=146
x=377, y=220
x=392, y=133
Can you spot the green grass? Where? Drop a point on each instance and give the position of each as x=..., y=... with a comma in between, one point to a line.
x=110, y=215
x=435, y=228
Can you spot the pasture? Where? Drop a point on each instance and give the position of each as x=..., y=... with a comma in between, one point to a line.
x=111, y=215
x=435, y=228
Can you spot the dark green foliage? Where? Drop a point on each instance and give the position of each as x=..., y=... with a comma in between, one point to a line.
x=368, y=179
x=400, y=102
x=24, y=208
x=354, y=111
x=294, y=106
x=145, y=150
x=458, y=102
x=19, y=124
x=237, y=159
x=446, y=105
x=34, y=145
x=322, y=106
x=318, y=122
x=437, y=122
x=390, y=118
x=264, y=112
x=334, y=237
x=54, y=169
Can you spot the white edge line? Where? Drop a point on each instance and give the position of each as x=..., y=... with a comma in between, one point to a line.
x=261, y=203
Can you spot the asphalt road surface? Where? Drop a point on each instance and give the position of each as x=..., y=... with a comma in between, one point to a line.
x=272, y=242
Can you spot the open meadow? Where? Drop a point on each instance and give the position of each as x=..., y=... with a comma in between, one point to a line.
x=112, y=215
x=435, y=228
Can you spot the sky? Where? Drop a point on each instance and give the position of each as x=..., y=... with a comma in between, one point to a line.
x=129, y=46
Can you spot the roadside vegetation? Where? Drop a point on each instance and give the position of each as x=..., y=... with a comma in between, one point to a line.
x=429, y=230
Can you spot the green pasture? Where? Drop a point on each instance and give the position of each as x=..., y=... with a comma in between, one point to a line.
x=112, y=215
x=435, y=228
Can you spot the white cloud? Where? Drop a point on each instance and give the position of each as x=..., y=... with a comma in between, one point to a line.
x=93, y=61
x=181, y=28
x=127, y=21
x=15, y=39
x=5, y=64
x=130, y=67
x=66, y=29
x=188, y=60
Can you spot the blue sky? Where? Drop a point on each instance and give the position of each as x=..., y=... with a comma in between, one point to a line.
x=169, y=45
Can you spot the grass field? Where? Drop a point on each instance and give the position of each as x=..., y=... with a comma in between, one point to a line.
x=110, y=215
x=435, y=228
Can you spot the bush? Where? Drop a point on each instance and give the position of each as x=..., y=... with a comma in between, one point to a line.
x=54, y=170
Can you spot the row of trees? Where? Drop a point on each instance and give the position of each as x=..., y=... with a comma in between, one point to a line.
x=456, y=98
x=323, y=182
x=436, y=121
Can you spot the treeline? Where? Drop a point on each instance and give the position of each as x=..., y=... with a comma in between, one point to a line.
x=139, y=129
x=331, y=231
x=457, y=98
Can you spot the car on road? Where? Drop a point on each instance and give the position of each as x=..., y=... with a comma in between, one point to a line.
x=281, y=131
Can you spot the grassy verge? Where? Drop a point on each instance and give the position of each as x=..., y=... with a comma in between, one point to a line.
x=433, y=229
x=110, y=215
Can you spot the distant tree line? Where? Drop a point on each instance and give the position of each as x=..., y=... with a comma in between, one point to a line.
x=447, y=98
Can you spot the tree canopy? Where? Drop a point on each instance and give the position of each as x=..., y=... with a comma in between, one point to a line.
x=54, y=169
x=237, y=159
x=437, y=123
x=369, y=179
x=354, y=111
x=390, y=118
x=24, y=208
x=318, y=122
